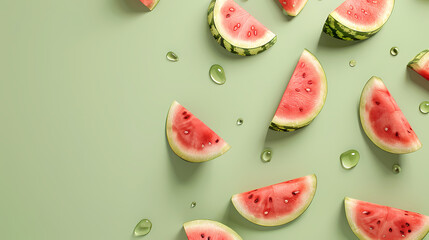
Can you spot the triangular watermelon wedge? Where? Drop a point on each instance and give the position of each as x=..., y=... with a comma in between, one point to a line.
x=383, y=121
x=151, y=4
x=276, y=204
x=190, y=138
x=372, y=221
x=420, y=64
x=292, y=7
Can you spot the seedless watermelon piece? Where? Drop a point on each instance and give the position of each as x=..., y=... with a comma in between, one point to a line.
x=304, y=96
x=209, y=230
x=371, y=221
x=383, y=121
x=420, y=64
x=292, y=7
x=276, y=204
x=236, y=30
x=358, y=19
x=190, y=138
x=151, y=4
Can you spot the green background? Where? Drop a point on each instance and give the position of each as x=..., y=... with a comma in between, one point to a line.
x=84, y=92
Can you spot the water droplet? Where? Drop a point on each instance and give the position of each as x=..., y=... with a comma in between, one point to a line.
x=394, y=51
x=352, y=63
x=217, y=74
x=193, y=204
x=396, y=168
x=424, y=107
x=172, y=57
x=143, y=228
x=266, y=155
x=350, y=159
x=240, y=122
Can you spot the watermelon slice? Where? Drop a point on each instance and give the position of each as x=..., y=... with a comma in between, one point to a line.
x=358, y=19
x=304, y=97
x=420, y=64
x=383, y=121
x=151, y=4
x=209, y=230
x=276, y=204
x=373, y=221
x=292, y=7
x=190, y=138
x=236, y=30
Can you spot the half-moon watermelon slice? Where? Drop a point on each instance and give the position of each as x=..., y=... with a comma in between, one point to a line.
x=371, y=221
x=304, y=96
x=358, y=19
x=276, y=204
x=236, y=30
x=151, y=4
x=209, y=230
x=383, y=121
x=190, y=138
x=292, y=7
x=420, y=64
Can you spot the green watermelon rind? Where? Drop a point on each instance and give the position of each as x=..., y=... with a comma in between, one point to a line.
x=288, y=218
x=281, y=127
x=231, y=47
x=367, y=129
x=337, y=29
x=349, y=205
x=200, y=222
x=415, y=63
x=180, y=152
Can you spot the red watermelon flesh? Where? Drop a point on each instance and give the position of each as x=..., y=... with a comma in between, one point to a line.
x=209, y=230
x=384, y=122
x=373, y=221
x=190, y=138
x=276, y=204
x=151, y=4
x=292, y=7
x=363, y=15
x=236, y=25
x=304, y=96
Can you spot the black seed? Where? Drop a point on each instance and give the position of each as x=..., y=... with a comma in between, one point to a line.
x=408, y=131
x=402, y=232
x=270, y=199
x=376, y=102
x=202, y=235
x=390, y=229
x=184, y=113
x=250, y=196
x=186, y=117
x=409, y=230
x=378, y=222
x=407, y=224
x=228, y=15
x=217, y=140
x=208, y=238
x=406, y=214
x=256, y=200
x=301, y=109
x=402, y=226
x=304, y=75
x=397, y=134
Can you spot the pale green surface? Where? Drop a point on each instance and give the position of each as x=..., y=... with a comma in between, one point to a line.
x=85, y=89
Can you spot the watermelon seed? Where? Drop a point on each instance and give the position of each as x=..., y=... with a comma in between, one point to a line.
x=231, y=9
x=252, y=27
x=386, y=129
x=270, y=199
x=256, y=200
x=308, y=89
x=301, y=109
x=349, y=12
x=407, y=224
x=184, y=113
x=310, y=82
x=351, y=7
x=376, y=102
x=366, y=212
x=378, y=222
x=250, y=196
x=424, y=107
x=202, y=235
x=286, y=201
x=210, y=143
x=304, y=75
x=409, y=230
x=352, y=63
x=397, y=134
x=397, y=169
x=187, y=116
x=402, y=232
x=403, y=235
x=295, y=193
x=371, y=228
x=297, y=89
x=143, y=228
x=217, y=140
x=249, y=33
x=208, y=238
x=266, y=212
x=228, y=15
x=235, y=28
x=186, y=132
x=390, y=229
x=255, y=32
x=394, y=51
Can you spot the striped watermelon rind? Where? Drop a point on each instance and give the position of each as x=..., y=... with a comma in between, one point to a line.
x=341, y=30
x=419, y=60
x=231, y=47
x=212, y=225
x=151, y=4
